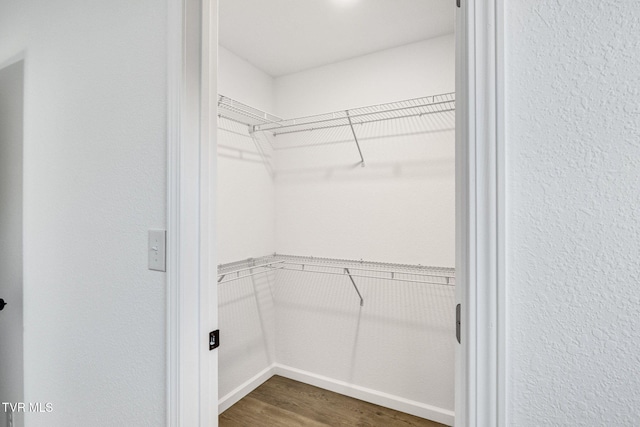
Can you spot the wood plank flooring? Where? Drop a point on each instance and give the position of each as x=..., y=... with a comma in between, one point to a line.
x=284, y=402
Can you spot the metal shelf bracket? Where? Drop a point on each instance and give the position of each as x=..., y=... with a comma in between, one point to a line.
x=346, y=270
x=355, y=138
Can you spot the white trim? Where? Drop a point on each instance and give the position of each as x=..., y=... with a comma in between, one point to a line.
x=502, y=361
x=189, y=378
x=387, y=400
x=480, y=220
x=208, y=290
x=245, y=388
x=174, y=89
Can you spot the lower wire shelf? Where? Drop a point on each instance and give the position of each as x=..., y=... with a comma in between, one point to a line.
x=428, y=275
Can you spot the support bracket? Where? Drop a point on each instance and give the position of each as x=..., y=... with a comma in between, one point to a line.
x=346, y=270
x=355, y=138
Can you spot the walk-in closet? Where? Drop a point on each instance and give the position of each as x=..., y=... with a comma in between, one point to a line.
x=335, y=209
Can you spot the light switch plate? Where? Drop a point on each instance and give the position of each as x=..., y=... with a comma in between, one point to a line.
x=157, y=250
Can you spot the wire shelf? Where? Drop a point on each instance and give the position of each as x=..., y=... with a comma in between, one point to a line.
x=355, y=268
x=242, y=113
x=246, y=268
x=344, y=125
x=416, y=107
x=230, y=267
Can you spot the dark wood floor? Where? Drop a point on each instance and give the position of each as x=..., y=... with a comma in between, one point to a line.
x=284, y=402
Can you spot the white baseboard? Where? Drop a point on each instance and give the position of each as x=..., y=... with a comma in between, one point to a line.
x=245, y=388
x=412, y=407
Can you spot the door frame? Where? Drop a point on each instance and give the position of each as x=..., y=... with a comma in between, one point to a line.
x=191, y=369
x=481, y=362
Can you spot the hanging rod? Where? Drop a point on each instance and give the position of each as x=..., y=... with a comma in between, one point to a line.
x=220, y=281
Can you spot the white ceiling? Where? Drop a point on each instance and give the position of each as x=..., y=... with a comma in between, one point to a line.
x=285, y=36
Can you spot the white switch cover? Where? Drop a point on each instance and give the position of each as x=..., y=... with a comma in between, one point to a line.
x=157, y=250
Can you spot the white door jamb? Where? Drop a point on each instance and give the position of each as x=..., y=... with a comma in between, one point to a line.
x=192, y=375
x=480, y=214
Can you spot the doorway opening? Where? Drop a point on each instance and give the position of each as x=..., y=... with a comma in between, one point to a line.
x=481, y=362
x=335, y=201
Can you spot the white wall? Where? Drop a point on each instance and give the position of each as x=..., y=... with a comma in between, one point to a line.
x=245, y=229
x=11, y=328
x=245, y=192
x=244, y=82
x=417, y=69
x=399, y=344
x=573, y=245
x=94, y=182
x=399, y=208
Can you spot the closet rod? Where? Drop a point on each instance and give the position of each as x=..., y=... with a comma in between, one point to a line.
x=448, y=283
x=240, y=122
x=445, y=276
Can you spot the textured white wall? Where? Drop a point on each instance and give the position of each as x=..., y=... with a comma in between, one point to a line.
x=573, y=248
x=11, y=135
x=400, y=208
x=245, y=228
x=94, y=182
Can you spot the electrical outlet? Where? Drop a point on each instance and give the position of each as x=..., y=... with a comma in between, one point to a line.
x=157, y=250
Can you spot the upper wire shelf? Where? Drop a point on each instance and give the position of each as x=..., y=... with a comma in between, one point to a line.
x=357, y=116
x=261, y=123
x=242, y=113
